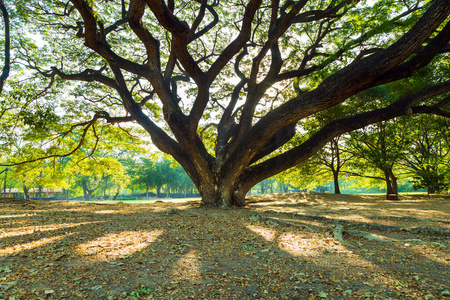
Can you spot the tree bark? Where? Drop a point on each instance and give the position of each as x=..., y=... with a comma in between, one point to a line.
x=106, y=186
x=4, y=182
x=26, y=193
x=6, y=67
x=158, y=191
x=87, y=192
x=336, y=182
x=391, y=185
x=116, y=195
x=224, y=179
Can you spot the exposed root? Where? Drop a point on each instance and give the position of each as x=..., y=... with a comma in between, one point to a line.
x=338, y=230
x=274, y=222
x=370, y=237
x=390, y=228
x=337, y=233
x=407, y=218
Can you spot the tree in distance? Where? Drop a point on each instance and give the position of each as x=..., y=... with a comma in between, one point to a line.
x=222, y=86
x=427, y=161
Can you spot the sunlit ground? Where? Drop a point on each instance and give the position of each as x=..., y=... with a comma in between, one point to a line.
x=113, y=251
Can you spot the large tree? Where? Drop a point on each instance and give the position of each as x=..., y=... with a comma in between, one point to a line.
x=221, y=85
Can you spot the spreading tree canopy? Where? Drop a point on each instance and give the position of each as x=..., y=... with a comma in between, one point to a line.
x=222, y=86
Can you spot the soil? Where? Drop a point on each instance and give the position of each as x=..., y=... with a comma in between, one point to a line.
x=178, y=250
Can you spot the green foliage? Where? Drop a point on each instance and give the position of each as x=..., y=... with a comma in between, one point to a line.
x=43, y=115
x=103, y=173
x=39, y=119
x=151, y=174
x=139, y=292
x=427, y=160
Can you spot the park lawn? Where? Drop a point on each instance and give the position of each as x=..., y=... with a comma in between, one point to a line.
x=178, y=250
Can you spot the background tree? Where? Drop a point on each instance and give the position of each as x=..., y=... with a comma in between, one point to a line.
x=379, y=148
x=427, y=160
x=248, y=72
x=28, y=177
x=181, y=181
x=327, y=164
x=100, y=173
x=144, y=174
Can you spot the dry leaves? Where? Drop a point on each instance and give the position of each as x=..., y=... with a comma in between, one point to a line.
x=63, y=250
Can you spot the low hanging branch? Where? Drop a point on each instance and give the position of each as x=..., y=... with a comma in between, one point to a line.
x=88, y=124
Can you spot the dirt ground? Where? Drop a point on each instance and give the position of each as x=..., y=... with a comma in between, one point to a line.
x=163, y=250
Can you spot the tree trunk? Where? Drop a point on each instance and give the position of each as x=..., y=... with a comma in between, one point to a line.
x=116, y=195
x=26, y=193
x=337, y=190
x=146, y=190
x=263, y=187
x=391, y=185
x=66, y=194
x=4, y=183
x=87, y=192
x=158, y=191
x=40, y=192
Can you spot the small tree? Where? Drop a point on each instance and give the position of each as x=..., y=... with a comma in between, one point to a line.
x=379, y=148
x=98, y=173
x=428, y=158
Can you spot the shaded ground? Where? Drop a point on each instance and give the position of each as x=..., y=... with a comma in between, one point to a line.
x=67, y=250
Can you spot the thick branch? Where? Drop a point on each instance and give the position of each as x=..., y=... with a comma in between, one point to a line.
x=198, y=20
x=236, y=45
x=6, y=67
x=96, y=40
x=390, y=24
x=341, y=85
x=135, y=13
x=432, y=110
x=421, y=59
x=180, y=33
x=235, y=95
x=88, y=75
x=207, y=27
x=315, y=15
x=288, y=159
x=161, y=139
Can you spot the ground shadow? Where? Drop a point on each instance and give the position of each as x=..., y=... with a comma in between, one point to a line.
x=178, y=251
